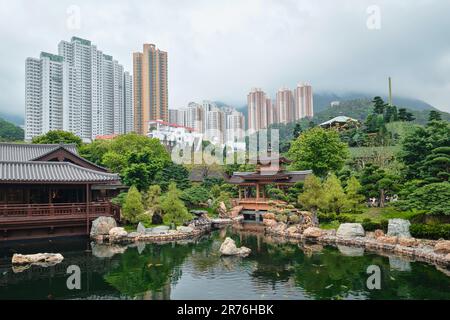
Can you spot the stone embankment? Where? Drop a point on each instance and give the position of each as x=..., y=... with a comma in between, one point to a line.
x=106, y=231
x=397, y=241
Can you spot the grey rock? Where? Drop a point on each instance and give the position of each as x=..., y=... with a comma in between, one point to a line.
x=106, y=250
x=102, y=226
x=228, y=248
x=350, y=230
x=399, y=228
x=160, y=230
x=185, y=229
x=140, y=228
x=134, y=234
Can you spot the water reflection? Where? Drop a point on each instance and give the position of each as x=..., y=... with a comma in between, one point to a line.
x=276, y=269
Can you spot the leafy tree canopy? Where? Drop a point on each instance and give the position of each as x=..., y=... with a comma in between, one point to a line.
x=56, y=137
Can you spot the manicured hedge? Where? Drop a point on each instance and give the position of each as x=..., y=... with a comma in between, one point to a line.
x=430, y=231
x=370, y=225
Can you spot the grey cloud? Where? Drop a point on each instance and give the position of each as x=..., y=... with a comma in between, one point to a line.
x=220, y=49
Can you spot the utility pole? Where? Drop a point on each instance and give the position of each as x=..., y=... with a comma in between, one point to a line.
x=390, y=92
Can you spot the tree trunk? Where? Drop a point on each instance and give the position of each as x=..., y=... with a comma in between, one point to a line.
x=382, y=198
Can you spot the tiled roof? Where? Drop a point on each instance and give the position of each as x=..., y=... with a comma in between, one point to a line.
x=282, y=177
x=28, y=152
x=46, y=171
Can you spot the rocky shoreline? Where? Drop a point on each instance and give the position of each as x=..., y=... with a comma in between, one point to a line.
x=397, y=241
x=431, y=251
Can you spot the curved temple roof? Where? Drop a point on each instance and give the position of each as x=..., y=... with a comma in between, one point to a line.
x=29, y=152
x=45, y=171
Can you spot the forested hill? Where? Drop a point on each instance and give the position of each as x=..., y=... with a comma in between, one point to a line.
x=360, y=108
x=10, y=132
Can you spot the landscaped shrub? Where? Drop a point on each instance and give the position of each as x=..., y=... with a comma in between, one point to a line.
x=370, y=225
x=294, y=219
x=430, y=231
x=281, y=218
x=431, y=197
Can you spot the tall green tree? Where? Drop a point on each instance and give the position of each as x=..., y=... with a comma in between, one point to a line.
x=173, y=208
x=173, y=173
x=320, y=150
x=313, y=194
x=418, y=146
x=354, y=196
x=133, y=206
x=56, y=137
x=379, y=105
x=434, y=116
x=335, y=196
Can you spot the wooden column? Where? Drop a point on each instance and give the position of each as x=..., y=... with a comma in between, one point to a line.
x=257, y=191
x=240, y=197
x=88, y=200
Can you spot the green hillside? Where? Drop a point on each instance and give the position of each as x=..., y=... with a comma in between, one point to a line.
x=10, y=132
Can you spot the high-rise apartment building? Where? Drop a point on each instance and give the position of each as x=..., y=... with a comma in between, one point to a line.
x=235, y=126
x=257, y=110
x=288, y=107
x=150, y=87
x=285, y=105
x=128, y=110
x=81, y=90
x=43, y=94
x=304, y=106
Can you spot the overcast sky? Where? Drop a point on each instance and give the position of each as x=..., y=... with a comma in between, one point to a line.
x=219, y=50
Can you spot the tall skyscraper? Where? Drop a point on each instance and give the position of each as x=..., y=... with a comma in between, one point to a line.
x=257, y=110
x=128, y=110
x=235, y=126
x=150, y=87
x=43, y=94
x=304, y=106
x=285, y=105
x=81, y=90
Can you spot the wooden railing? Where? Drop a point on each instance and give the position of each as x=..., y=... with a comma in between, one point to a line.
x=60, y=210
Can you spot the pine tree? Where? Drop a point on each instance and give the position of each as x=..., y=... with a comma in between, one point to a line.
x=173, y=208
x=312, y=197
x=334, y=194
x=133, y=207
x=434, y=116
x=379, y=105
x=354, y=197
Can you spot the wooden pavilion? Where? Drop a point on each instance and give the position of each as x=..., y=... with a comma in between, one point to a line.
x=51, y=191
x=269, y=171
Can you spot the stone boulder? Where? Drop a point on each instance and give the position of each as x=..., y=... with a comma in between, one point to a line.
x=280, y=228
x=222, y=210
x=102, y=225
x=160, y=230
x=185, y=229
x=313, y=232
x=399, y=228
x=269, y=222
x=442, y=246
x=408, y=242
x=294, y=230
x=228, y=248
x=350, y=230
x=117, y=232
x=378, y=233
x=140, y=228
x=269, y=216
x=235, y=211
x=388, y=240
x=41, y=259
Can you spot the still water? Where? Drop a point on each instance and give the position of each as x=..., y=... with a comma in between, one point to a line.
x=195, y=270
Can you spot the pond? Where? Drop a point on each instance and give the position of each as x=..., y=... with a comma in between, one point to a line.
x=195, y=270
